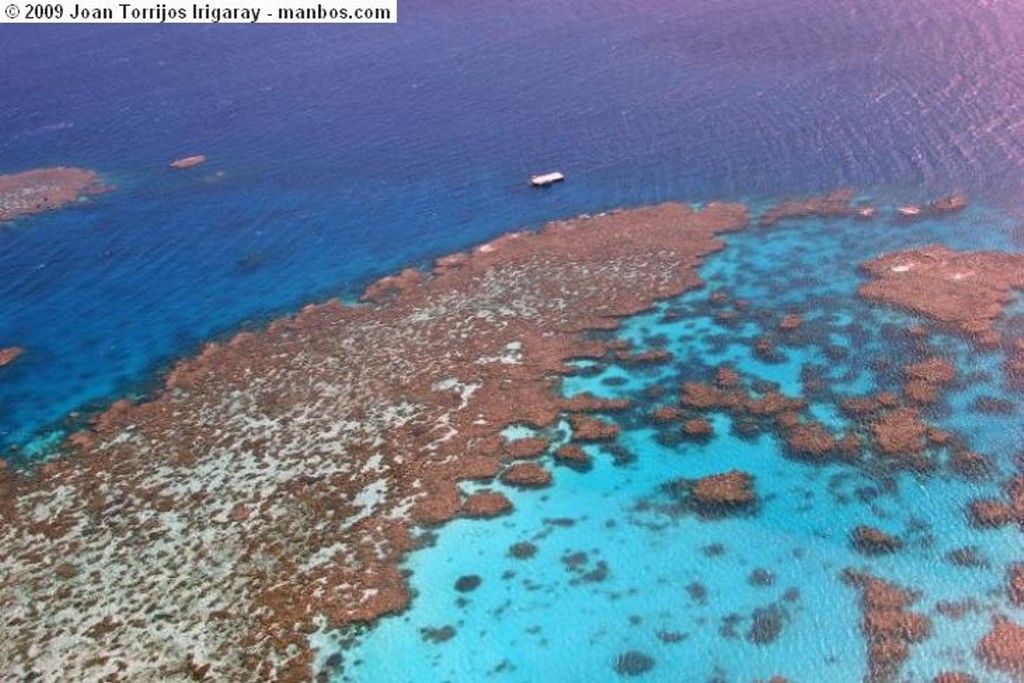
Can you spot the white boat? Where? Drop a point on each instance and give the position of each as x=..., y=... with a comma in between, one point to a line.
x=545, y=179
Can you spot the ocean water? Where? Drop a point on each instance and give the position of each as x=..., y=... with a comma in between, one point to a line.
x=338, y=154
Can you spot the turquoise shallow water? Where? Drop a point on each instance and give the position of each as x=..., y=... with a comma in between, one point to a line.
x=621, y=566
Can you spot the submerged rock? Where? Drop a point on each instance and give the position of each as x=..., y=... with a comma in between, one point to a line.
x=871, y=541
x=523, y=550
x=767, y=624
x=992, y=405
x=468, y=583
x=968, y=556
x=438, y=635
x=633, y=663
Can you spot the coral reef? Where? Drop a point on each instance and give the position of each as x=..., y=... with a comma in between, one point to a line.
x=527, y=475
x=44, y=189
x=965, y=291
x=723, y=492
x=889, y=628
x=834, y=205
x=1002, y=648
x=269, y=490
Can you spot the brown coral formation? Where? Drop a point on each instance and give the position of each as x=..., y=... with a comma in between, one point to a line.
x=1002, y=648
x=835, y=205
x=335, y=429
x=527, y=475
x=889, y=628
x=810, y=440
x=524, y=449
x=726, y=491
x=573, y=456
x=698, y=428
x=925, y=379
x=902, y=434
x=588, y=403
x=44, y=189
x=933, y=370
x=966, y=291
x=486, y=504
x=9, y=354
x=585, y=428
x=648, y=357
x=665, y=414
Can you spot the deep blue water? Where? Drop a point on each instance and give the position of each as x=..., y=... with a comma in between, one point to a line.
x=348, y=151
x=338, y=154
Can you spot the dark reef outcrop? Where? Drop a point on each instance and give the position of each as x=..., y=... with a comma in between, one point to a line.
x=633, y=663
x=871, y=541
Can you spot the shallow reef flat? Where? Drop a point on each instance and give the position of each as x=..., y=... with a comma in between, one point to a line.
x=270, y=489
x=45, y=189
